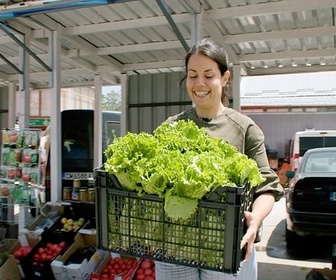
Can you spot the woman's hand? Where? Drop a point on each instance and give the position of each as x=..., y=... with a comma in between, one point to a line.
x=261, y=207
x=248, y=239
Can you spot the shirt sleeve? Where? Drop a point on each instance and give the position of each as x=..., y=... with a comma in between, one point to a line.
x=255, y=149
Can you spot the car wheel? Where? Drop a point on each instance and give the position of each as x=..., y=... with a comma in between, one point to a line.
x=292, y=239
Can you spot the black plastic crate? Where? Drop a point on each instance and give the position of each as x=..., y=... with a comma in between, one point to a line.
x=138, y=226
x=41, y=269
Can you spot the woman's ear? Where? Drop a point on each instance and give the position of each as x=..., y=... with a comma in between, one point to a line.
x=225, y=77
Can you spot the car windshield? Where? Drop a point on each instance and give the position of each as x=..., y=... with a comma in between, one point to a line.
x=320, y=162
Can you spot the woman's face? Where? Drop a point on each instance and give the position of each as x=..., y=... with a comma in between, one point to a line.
x=204, y=81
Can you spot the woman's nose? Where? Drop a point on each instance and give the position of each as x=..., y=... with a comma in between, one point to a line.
x=199, y=80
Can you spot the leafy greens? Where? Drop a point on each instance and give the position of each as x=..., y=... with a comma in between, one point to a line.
x=179, y=162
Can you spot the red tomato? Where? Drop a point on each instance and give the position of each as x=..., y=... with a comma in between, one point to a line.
x=104, y=276
x=43, y=257
x=140, y=277
x=140, y=271
x=62, y=244
x=18, y=253
x=148, y=271
x=149, y=277
x=50, y=257
x=40, y=250
x=147, y=264
x=123, y=266
x=106, y=271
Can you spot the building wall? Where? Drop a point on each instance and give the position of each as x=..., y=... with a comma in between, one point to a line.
x=153, y=98
x=279, y=128
x=3, y=107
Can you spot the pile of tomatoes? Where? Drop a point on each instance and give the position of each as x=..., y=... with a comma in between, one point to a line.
x=48, y=252
x=22, y=251
x=117, y=268
x=124, y=269
x=146, y=270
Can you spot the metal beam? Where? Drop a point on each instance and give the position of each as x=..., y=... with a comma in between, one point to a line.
x=22, y=45
x=10, y=64
x=172, y=24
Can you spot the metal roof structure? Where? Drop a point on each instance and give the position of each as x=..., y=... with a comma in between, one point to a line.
x=264, y=37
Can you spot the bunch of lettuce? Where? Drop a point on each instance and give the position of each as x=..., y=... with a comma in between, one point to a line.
x=179, y=162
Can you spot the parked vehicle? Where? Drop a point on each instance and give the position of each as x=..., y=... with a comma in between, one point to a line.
x=309, y=139
x=311, y=197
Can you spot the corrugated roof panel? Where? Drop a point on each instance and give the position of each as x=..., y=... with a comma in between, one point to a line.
x=90, y=15
x=268, y=23
x=176, y=6
x=274, y=34
x=125, y=11
x=9, y=50
x=141, y=9
x=235, y=3
x=67, y=18
x=108, y=13
x=305, y=19
x=246, y=47
x=278, y=45
x=248, y=24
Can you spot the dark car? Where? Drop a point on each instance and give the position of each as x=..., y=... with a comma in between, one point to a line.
x=311, y=197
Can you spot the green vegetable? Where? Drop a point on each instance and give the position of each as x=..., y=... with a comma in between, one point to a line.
x=179, y=162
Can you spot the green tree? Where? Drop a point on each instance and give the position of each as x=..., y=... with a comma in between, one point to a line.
x=112, y=101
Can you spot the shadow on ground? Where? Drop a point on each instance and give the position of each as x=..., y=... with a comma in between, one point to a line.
x=267, y=271
x=310, y=249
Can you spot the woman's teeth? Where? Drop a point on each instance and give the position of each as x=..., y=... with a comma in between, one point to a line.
x=201, y=93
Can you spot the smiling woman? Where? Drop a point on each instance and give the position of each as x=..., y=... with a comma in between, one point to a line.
x=207, y=79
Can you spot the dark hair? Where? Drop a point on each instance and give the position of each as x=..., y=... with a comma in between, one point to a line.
x=217, y=53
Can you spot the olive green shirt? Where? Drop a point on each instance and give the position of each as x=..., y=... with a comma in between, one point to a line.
x=240, y=131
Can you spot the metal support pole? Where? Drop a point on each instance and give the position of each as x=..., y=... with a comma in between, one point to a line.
x=55, y=123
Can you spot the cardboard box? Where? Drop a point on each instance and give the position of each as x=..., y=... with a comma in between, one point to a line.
x=330, y=273
x=8, y=245
x=77, y=271
x=10, y=270
x=49, y=213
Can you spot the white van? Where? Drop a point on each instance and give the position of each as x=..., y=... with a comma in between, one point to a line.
x=308, y=139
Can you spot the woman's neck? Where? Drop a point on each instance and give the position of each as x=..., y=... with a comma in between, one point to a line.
x=209, y=114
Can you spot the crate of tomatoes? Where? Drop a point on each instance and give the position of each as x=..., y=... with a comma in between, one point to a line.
x=115, y=267
x=37, y=263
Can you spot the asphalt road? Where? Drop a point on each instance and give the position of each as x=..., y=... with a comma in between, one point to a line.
x=276, y=262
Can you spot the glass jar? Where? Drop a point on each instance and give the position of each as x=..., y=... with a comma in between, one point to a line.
x=67, y=191
x=83, y=194
x=75, y=194
x=76, y=183
x=91, y=195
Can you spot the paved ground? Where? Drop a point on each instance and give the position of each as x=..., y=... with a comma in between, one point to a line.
x=275, y=262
